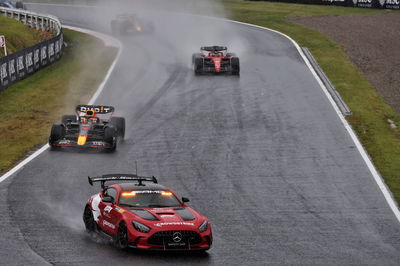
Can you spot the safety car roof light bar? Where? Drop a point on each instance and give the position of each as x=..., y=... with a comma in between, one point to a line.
x=118, y=177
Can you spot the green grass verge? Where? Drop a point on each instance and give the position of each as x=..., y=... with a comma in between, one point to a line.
x=370, y=112
x=29, y=107
x=19, y=36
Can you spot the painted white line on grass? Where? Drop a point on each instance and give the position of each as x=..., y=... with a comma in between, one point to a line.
x=107, y=40
x=377, y=177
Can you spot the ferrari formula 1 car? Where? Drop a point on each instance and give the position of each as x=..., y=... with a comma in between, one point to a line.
x=129, y=24
x=215, y=59
x=93, y=126
x=145, y=215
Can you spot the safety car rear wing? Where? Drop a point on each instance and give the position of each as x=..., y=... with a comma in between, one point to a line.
x=98, y=109
x=118, y=177
x=214, y=48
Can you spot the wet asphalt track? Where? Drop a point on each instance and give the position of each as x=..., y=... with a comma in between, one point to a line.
x=264, y=156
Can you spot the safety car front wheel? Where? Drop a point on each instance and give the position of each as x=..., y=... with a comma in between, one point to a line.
x=121, y=240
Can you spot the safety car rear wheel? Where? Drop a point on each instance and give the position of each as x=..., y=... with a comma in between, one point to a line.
x=121, y=240
x=88, y=219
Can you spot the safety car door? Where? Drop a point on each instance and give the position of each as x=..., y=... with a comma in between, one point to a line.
x=108, y=213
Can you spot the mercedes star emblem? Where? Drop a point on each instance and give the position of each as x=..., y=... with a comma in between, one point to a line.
x=177, y=237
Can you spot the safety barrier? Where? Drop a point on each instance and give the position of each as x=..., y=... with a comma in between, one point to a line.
x=21, y=64
x=386, y=4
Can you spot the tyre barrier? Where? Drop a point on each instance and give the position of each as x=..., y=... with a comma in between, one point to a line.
x=25, y=62
x=382, y=4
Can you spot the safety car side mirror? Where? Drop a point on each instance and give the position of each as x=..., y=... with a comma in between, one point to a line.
x=184, y=200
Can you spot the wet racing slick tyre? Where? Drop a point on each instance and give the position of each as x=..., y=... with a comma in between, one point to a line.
x=198, y=65
x=121, y=240
x=235, y=66
x=194, y=56
x=19, y=5
x=88, y=220
x=109, y=137
x=109, y=134
x=65, y=118
x=57, y=133
x=119, y=124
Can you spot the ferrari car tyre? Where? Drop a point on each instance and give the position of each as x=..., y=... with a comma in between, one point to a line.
x=198, y=65
x=88, y=219
x=57, y=132
x=235, y=66
x=65, y=118
x=119, y=124
x=194, y=56
x=121, y=240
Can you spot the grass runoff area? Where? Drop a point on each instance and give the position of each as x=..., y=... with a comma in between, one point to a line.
x=370, y=112
x=20, y=36
x=29, y=107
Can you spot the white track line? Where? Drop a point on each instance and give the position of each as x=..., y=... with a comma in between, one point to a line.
x=377, y=177
x=108, y=41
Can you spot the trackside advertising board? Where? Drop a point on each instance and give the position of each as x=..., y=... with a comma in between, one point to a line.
x=21, y=64
x=385, y=4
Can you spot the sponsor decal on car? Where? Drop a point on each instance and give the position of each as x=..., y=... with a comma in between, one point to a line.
x=98, y=143
x=105, y=223
x=173, y=223
x=95, y=207
x=119, y=210
x=108, y=209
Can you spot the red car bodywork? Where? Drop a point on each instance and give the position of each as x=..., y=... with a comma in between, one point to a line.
x=171, y=228
x=215, y=59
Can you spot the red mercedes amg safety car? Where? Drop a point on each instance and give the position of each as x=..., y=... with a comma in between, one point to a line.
x=215, y=59
x=145, y=215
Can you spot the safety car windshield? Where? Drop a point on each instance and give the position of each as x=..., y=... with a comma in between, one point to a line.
x=148, y=198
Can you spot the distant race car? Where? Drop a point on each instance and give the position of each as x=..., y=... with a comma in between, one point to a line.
x=8, y=4
x=142, y=214
x=93, y=126
x=130, y=23
x=215, y=59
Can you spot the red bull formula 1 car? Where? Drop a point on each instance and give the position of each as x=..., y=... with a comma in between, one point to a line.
x=93, y=126
x=142, y=214
x=215, y=59
x=125, y=24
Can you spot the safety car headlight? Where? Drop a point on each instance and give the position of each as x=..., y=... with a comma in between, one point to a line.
x=203, y=227
x=140, y=227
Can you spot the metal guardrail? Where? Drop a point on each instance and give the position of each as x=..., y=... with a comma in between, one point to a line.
x=33, y=19
x=331, y=89
x=21, y=64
